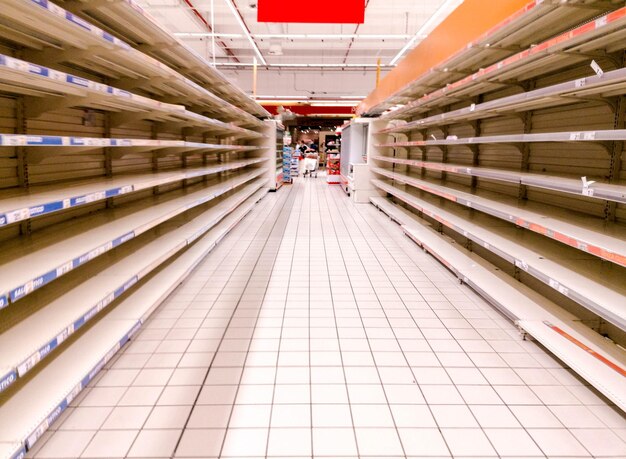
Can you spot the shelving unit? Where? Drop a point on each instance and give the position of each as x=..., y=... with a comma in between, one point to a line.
x=594, y=358
x=602, y=34
x=127, y=20
x=121, y=166
x=59, y=382
x=513, y=149
x=77, y=43
x=539, y=20
x=603, y=191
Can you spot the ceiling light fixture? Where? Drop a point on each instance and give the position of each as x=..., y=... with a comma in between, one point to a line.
x=303, y=66
x=443, y=12
x=235, y=12
x=293, y=36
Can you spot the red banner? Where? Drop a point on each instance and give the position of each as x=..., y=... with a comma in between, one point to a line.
x=313, y=11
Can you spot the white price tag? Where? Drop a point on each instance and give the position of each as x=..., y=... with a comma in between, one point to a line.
x=95, y=196
x=589, y=135
x=588, y=192
x=18, y=215
x=596, y=68
x=64, y=269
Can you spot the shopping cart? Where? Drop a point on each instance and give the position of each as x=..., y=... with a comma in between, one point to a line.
x=311, y=162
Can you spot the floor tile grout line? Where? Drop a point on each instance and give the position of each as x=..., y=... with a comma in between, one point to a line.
x=343, y=368
x=402, y=351
x=284, y=214
x=282, y=328
x=326, y=194
x=479, y=369
x=279, y=206
x=130, y=385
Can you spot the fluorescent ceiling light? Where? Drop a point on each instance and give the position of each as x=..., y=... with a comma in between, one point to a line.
x=303, y=66
x=314, y=36
x=294, y=36
x=207, y=35
x=443, y=12
x=235, y=12
x=283, y=97
x=334, y=103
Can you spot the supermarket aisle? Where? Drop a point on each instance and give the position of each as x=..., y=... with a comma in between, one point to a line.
x=316, y=329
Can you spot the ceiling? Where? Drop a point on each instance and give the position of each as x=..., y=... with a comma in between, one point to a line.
x=331, y=62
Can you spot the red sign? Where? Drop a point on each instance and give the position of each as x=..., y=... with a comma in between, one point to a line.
x=314, y=11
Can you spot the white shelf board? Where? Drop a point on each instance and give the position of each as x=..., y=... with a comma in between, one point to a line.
x=31, y=340
x=598, y=190
x=20, y=205
x=127, y=19
x=33, y=263
x=55, y=35
x=609, y=84
x=29, y=413
x=558, y=52
x=58, y=89
x=603, y=243
x=564, y=275
x=536, y=21
x=588, y=354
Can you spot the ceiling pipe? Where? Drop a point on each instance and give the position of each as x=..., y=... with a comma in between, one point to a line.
x=206, y=24
x=235, y=10
x=356, y=31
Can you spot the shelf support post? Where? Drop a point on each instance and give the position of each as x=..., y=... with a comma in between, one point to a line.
x=21, y=127
x=616, y=151
x=525, y=150
x=108, y=155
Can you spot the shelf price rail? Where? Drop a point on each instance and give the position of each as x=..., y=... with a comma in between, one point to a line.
x=572, y=46
x=570, y=92
x=54, y=35
x=25, y=274
x=39, y=147
x=586, y=291
x=45, y=200
x=607, y=247
x=61, y=89
x=59, y=382
x=29, y=342
x=598, y=361
x=128, y=20
x=536, y=21
x=591, y=189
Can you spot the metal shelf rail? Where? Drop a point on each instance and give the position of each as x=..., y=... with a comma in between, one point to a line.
x=34, y=264
x=31, y=340
x=59, y=89
x=571, y=92
x=22, y=423
x=602, y=243
x=597, y=360
x=536, y=22
x=570, y=47
x=128, y=20
x=44, y=200
x=591, y=189
x=560, y=274
x=53, y=35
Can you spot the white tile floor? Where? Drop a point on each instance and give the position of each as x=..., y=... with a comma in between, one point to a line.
x=316, y=329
